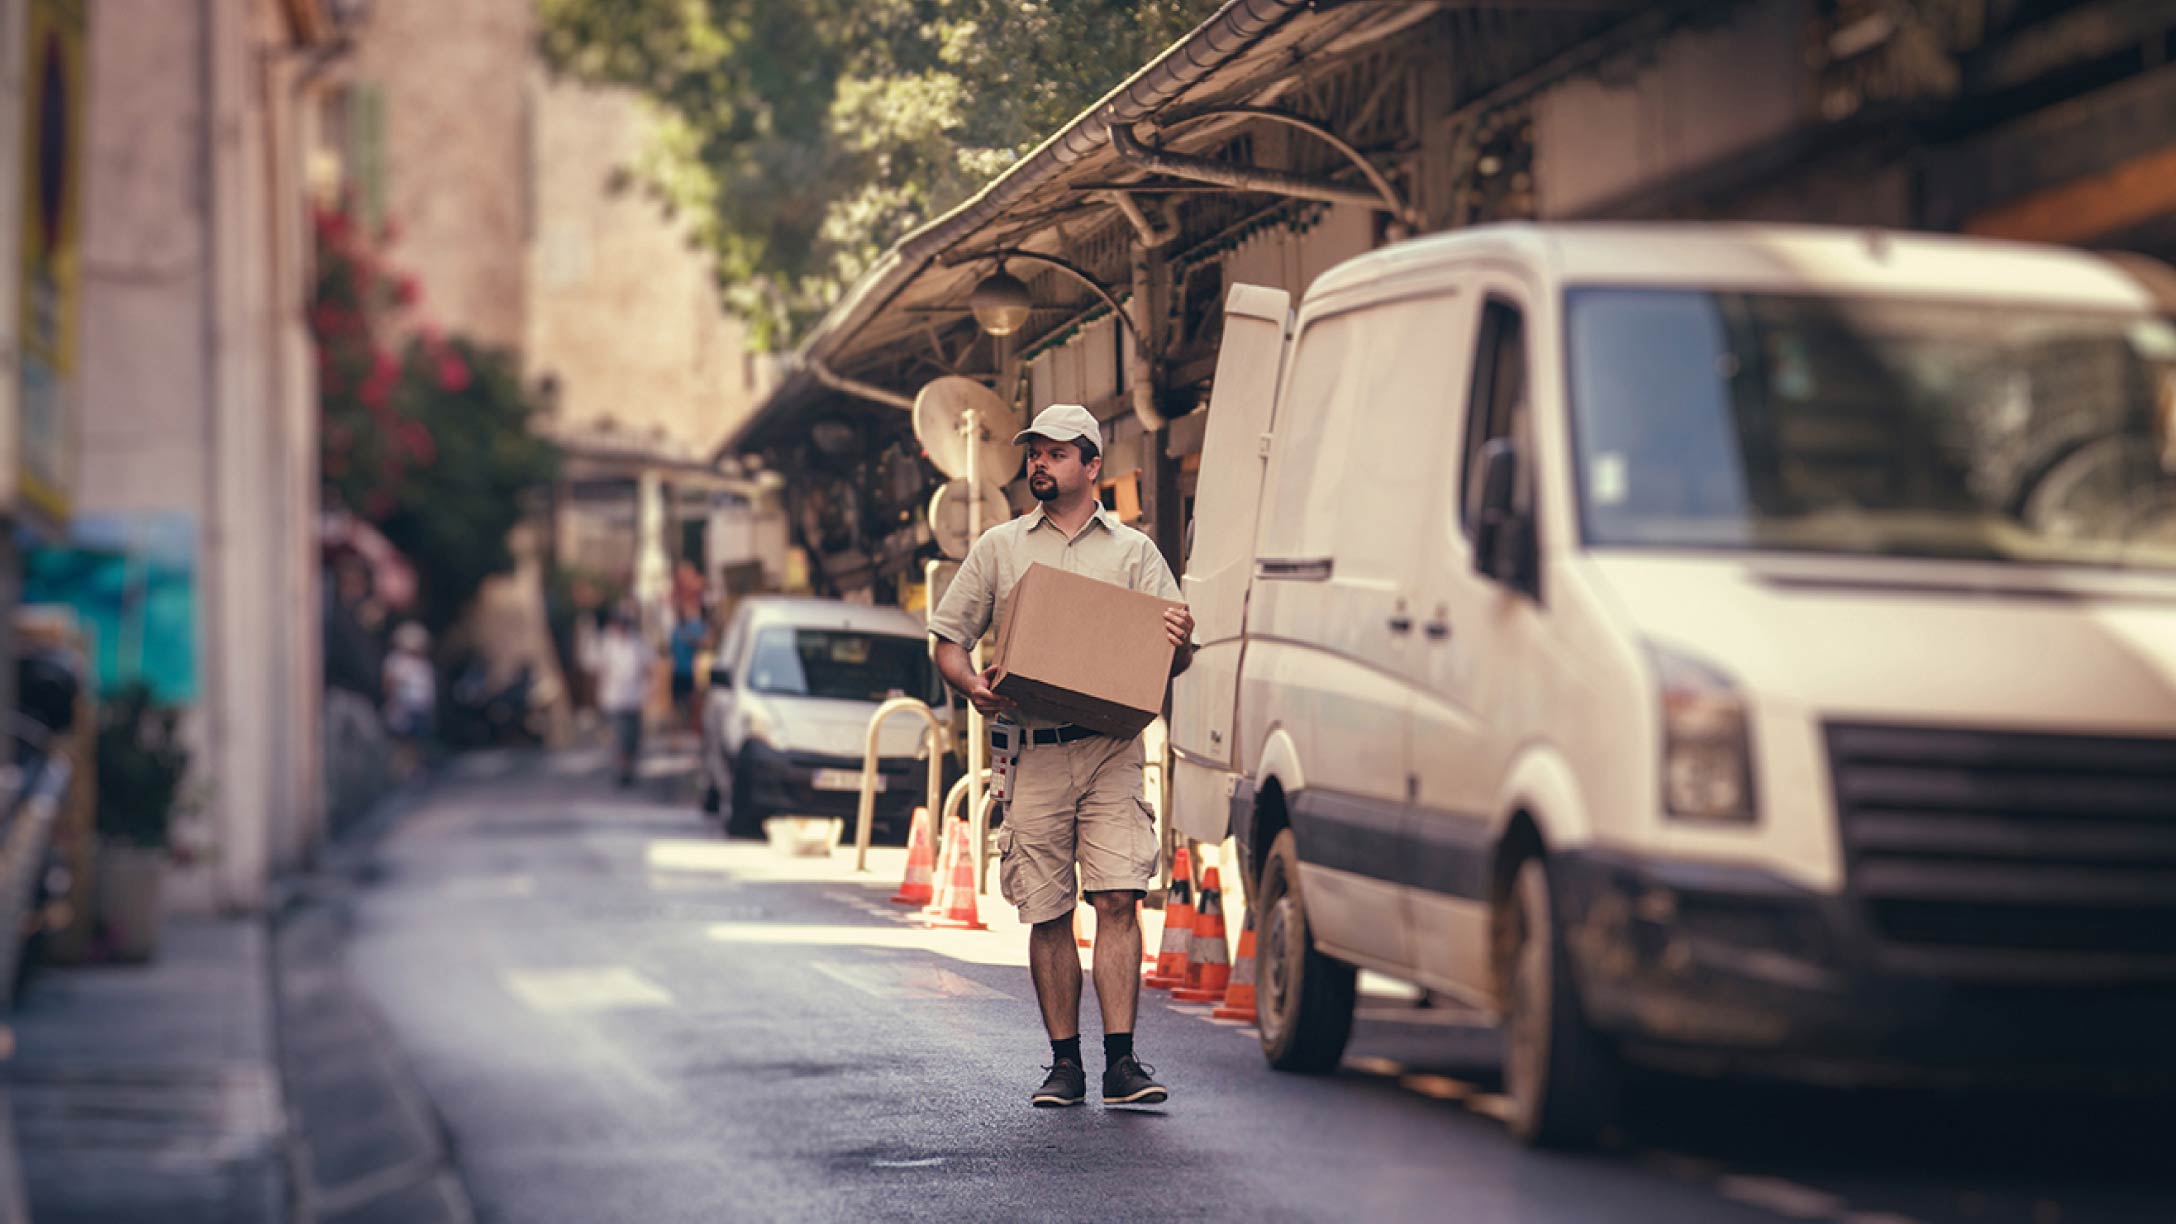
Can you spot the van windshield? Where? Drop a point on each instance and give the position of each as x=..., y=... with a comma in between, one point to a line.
x=841, y=665
x=2006, y=433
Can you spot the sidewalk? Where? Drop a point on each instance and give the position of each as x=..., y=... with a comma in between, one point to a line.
x=145, y=1092
x=238, y=1077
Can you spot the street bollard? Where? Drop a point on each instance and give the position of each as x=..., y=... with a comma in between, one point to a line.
x=866, y=815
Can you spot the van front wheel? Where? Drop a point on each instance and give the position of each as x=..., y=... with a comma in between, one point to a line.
x=1304, y=999
x=1563, y=1082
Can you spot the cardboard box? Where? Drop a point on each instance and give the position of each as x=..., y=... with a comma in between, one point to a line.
x=1085, y=652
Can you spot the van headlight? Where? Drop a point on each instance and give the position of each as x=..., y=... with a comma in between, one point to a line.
x=760, y=726
x=1707, y=742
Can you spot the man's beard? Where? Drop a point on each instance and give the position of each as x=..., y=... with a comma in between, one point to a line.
x=1044, y=490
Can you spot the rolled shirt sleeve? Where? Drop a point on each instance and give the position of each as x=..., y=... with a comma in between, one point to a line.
x=964, y=614
x=1151, y=576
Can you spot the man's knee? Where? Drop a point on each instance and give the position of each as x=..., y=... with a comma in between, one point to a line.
x=1115, y=907
x=1048, y=927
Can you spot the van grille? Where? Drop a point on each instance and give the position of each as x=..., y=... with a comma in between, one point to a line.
x=2010, y=856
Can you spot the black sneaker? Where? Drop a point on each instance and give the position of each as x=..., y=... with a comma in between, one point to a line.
x=1130, y=1082
x=1067, y=1084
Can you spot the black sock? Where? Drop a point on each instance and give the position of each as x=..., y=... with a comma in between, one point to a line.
x=1116, y=1046
x=1066, y=1049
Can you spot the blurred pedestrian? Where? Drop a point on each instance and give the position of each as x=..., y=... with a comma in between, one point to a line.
x=411, y=694
x=623, y=688
x=1077, y=819
x=686, y=643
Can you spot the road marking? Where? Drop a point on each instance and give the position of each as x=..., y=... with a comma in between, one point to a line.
x=930, y=1162
x=907, y=982
x=686, y=854
x=972, y=947
x=1780, y=1196
x=600, y=988
x=480, y=888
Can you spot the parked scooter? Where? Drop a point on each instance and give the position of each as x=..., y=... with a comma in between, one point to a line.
x=35, y=891
x=482, y=716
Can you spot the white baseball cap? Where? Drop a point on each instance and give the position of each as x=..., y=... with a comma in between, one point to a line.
x=1063, y=423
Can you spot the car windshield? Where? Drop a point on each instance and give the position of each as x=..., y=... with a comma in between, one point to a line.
x=842, y=665
x=2004, y=433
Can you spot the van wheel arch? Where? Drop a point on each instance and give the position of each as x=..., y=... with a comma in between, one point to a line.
x=1271, y=817
x=1521, y=841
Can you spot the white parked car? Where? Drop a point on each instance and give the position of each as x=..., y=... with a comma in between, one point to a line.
x=1716, y=647
x=786, y=717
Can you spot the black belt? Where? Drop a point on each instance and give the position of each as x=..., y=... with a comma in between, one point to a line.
x=1059, y=735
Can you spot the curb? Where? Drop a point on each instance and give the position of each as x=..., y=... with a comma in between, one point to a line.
x=392, y=1158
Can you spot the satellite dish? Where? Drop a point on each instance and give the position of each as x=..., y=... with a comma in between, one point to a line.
x=948, y=515
x=940, y=423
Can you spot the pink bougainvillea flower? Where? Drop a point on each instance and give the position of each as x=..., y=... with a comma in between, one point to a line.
x=416, y=437
x=453, y=374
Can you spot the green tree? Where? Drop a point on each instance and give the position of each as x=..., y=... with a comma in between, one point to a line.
x=803, y=137
x=427, y=437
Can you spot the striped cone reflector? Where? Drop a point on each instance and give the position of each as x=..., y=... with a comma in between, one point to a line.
x=1239, y=996
x=959, y=911
x=945, y=843
x=1209, y=961
x=1170, y=970
x=918, y=888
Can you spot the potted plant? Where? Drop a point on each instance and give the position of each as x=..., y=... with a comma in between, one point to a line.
x=141, y=764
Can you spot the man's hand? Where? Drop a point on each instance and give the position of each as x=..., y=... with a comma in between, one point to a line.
x=1179, y=626
x=987, y=699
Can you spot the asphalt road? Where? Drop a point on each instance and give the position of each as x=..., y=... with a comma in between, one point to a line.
x=623, y=1017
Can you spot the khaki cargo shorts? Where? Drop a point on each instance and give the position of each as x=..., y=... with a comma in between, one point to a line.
x=1077, y=803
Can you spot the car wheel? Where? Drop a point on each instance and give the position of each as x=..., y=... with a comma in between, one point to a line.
x=1303, y=999
x=1563, y=1081
x=743, y=817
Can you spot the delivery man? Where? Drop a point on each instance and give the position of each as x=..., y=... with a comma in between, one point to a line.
x=1077, y=795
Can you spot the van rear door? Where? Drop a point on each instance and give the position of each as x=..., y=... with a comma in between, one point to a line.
x=1220, y=560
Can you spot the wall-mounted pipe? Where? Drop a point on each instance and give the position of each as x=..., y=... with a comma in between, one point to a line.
x=861, y=390
x=1151, y=234
x=1392, y=202
x=1246, y=178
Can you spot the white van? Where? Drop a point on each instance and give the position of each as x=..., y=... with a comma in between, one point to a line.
x=1713, y=647
x=786, y=719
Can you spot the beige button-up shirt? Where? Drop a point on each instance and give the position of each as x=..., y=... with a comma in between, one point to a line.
x=1105, y=549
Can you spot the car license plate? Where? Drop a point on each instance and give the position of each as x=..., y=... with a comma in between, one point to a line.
x=843, y=780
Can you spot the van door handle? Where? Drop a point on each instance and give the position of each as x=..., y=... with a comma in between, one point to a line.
x=1401, y=623
x=1437, y=630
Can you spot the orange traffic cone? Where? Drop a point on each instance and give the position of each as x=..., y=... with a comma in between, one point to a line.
x=1170, y=970
x=1208, y=960
x=959, y=912
x=1239, y=997
x=916, y=888
x=946, y=840
x=1081, y=935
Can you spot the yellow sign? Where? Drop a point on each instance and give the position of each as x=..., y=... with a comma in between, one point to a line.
x=54, y=120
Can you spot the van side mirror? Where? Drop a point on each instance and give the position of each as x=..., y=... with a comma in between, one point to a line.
x=1503, y=541
x=721, y=675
